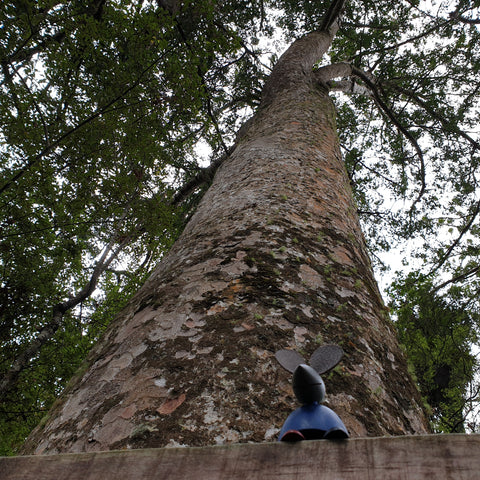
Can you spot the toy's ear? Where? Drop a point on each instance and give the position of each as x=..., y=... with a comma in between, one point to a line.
x=289, y=359
x=324, y=358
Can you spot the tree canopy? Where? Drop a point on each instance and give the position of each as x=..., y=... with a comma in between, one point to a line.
x=103, y=107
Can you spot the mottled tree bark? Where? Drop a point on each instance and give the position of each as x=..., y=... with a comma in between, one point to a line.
x=273, y=258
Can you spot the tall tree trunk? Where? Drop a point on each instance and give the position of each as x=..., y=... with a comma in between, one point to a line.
x=273, y=258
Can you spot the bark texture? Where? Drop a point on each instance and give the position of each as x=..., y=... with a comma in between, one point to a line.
x=273, y=258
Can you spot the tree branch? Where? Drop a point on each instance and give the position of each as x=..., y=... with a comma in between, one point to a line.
x=410, y=40
x=367, y=78
x=48, y=331
x=100, y=111
x=349, y=87
x=94, y=10
x=205, y=175
x=331, y=20
x=465, y=229
x=26, y=55
x=410, y=94
x=334, y=70
x=471, y=21
x=37, y=108
x=325, y=74
x=456, y=15
x=462, y=276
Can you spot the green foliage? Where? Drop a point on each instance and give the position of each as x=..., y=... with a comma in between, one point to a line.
x=438, y=335
x=38, y=387
x=409, y=52
x=101, y=106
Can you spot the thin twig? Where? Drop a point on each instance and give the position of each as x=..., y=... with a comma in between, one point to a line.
x=465, y=229
x=463, y=276
x=415, y=98
x=391, y=115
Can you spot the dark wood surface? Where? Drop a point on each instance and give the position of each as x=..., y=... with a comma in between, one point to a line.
x=435, y=457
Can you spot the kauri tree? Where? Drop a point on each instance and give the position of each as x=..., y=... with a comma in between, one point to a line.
x=103, y=105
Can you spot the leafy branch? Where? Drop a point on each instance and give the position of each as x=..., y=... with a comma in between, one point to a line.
x=434, y=114
x=326, y=74
x=464, y=230
x=98, y=113
x=109, y=254
x=473, y=271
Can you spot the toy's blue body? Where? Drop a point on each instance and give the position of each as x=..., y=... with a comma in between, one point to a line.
x=312, y=421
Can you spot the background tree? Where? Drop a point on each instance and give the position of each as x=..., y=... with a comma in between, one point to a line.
x=102, y=106
x=438, y=335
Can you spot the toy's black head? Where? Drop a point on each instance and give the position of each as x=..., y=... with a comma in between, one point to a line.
x=308, y=385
